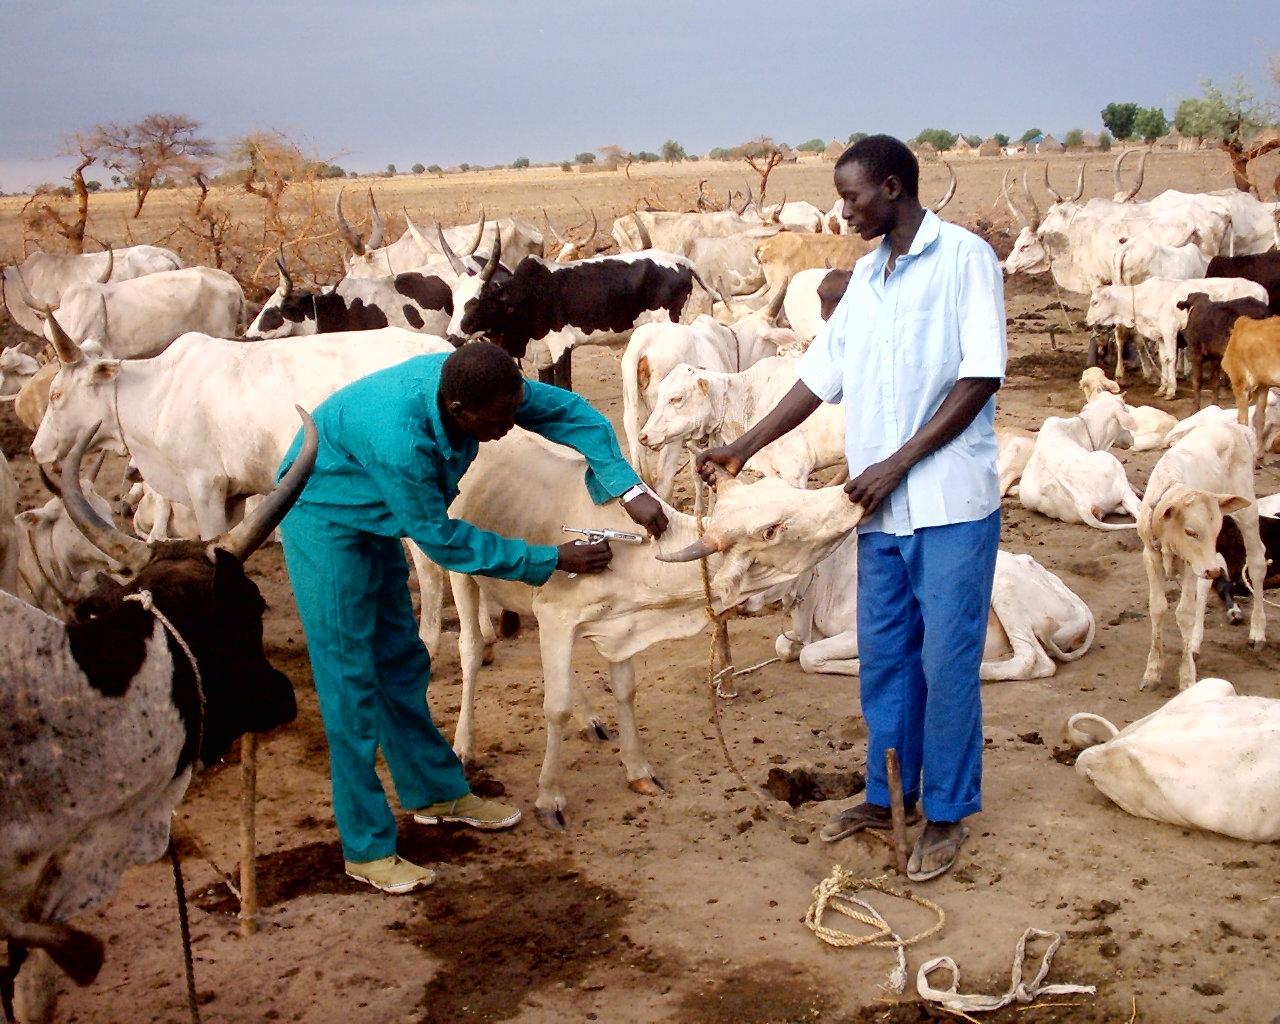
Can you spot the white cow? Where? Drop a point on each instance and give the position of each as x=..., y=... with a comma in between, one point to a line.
x=1151, y=425
x=42, y=277
x=1151, y=309
x=524, y=486
x=208, y=421
x=1206, y=475
x=1035, y=620
x=138, y=318
x=675, y=232
x=57, y=567
x=1013, y=452
x=705, y=405
x=16, y=368
x=1072, y=476
x=1207, y=759
x=1217, y=414
x=655, y=349
x=1139, y=259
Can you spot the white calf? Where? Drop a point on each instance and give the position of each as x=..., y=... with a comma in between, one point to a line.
x=1206, y=475
x=1151, y=425
x=655, y=349
x=1071, y=476
x=702, y=405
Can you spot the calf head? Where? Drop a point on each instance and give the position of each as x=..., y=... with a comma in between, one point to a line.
x=1108, y=421
x=1107, y=307
x=687, y=405
x=769, y=524
x=1094, y=380
x=203, y=590
x=16, y=368
x=1184, y=526
x=286, y=313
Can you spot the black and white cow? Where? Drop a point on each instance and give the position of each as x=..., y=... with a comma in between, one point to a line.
x=558, y=306
x=416, y=301
x=103, y=721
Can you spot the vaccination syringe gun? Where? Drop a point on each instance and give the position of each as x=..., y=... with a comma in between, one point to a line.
x=595, y=536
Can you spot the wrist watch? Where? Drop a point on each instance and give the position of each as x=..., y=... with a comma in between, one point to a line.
x=633, y=492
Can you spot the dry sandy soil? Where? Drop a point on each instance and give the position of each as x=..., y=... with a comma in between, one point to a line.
x=688, y=908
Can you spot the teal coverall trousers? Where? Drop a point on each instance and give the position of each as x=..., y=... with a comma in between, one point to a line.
x=371, y=673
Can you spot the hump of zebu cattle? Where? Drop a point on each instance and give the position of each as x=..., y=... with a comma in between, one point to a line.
x=1207, y=759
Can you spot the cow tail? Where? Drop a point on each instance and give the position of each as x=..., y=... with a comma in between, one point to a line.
x=1058, y=654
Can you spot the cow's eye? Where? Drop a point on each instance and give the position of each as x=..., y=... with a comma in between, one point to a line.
x=1192, y=534
x=678, y=400
x=771, y=531
x=55, y=396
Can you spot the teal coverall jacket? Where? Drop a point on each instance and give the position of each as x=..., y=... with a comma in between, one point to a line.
x=388, y=468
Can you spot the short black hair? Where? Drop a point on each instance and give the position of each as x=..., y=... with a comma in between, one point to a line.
x=881, y=156
x=478, y=373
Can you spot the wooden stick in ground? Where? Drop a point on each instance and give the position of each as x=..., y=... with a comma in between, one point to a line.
x=248, y=834
x=896, y=808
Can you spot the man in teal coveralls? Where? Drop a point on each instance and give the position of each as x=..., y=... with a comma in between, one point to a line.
x=393, y=447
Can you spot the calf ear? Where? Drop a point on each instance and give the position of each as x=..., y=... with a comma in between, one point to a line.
x=642, y=372
x=703, y=386
x=106, y=370
x=1229, y=503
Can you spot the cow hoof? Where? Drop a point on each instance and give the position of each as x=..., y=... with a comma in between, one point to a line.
x=487, y=657
x=647, y=786
x=553, y=820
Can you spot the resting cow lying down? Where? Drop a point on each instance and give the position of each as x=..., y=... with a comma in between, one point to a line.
x=1207, y=759
x=1034, y=622
x=1150, y=425
x=1071, y=476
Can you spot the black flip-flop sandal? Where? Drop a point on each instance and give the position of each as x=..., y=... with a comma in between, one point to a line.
x=856, y=819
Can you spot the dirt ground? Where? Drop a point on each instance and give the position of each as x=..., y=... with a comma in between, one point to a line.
x=688, y=908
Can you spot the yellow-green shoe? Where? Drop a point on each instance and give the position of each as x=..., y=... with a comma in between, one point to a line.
x=469, y=810
x=391, y=874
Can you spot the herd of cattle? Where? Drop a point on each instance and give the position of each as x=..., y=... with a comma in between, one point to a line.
x=163, y=365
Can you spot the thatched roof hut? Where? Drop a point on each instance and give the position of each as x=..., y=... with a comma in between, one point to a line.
x=1090, y=140
x=833, y=150
x=1049, y=145
x=961, y=147
x=926, y=150
x=990, y=148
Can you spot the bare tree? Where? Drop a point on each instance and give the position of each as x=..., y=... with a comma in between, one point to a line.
x=267, y=162
x=85, y=145
x=159, y=145
x=762, y=156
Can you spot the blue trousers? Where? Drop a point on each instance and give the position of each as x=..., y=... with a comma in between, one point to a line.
x=371, y=672
x=923, y=601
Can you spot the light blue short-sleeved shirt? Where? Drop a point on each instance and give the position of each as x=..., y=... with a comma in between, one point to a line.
x=893, y=350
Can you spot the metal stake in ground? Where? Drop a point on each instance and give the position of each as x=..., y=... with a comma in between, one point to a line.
x=897, y=810
x=248, y=834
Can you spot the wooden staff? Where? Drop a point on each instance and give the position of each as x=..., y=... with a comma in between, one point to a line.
x=248, y=834
x=896, y=808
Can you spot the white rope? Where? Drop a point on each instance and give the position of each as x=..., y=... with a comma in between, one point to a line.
x=1248, y=584
x=1023, y=992
x=143, y=597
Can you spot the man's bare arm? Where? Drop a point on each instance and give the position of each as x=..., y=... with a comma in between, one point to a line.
x=956, y=412
x=797, y=405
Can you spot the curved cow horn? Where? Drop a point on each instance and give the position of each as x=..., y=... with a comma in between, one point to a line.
x=413, y=230
x=551, y=230
x=646, y=240
x=348, y=235
x=458, y=266
x=1115, y=171
x=772, y=310
x=285, y=287
x=777, y=210
x=105, y=340
x=24, y=292
x=1142, y=167
x=486, y=272
x=243, y=540
x=52, y=484
x=1075, y=196
x=595, y=223
x=130, y=552
x=1008, y=198
x=105, y=276
x=379, y=229
x=951, y=189
x=68, y=351
x=701, y=548
x=1049, y=188
x=479, y=234
x=1031, y=200
x=747, y=202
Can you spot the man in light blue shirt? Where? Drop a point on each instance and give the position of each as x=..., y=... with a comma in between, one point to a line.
x=914, y=352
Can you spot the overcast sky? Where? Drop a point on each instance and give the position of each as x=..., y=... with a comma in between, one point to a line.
x=484, y=81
